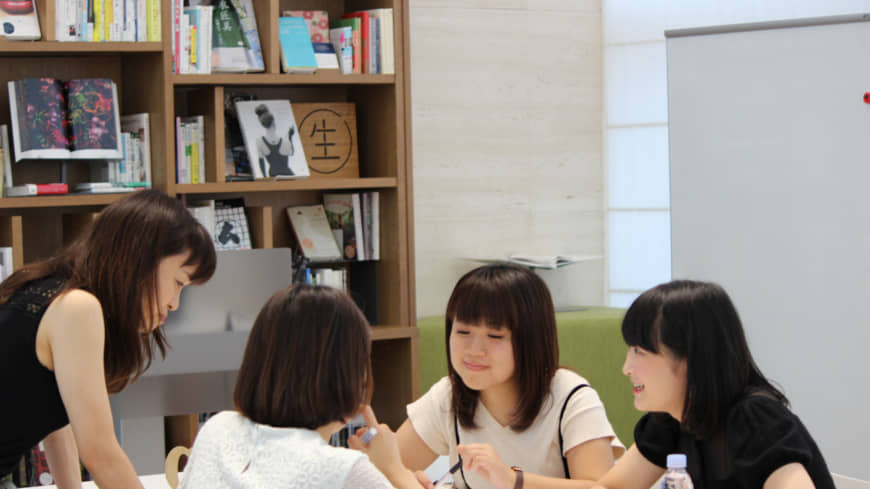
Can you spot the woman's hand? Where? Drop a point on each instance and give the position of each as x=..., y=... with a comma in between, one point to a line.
x=482, y=459
x=382, y=449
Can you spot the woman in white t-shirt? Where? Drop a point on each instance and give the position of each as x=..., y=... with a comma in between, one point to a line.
x=305, y=372
x=505, y=410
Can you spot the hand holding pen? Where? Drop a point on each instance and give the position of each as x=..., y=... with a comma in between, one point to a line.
x=378, y=441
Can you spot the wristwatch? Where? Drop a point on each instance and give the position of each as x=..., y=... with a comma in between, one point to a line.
x=519, y=483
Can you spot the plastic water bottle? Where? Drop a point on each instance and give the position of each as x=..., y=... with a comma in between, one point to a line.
x=676, y=477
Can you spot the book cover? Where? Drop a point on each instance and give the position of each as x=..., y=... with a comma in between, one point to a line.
x=248, y=22
x=313, y=233
x=54, y=120
x=297, y=52
x=229, y=44
x=355, y=25
x=318, y=31
x=19, y=20
x=365, y=39
x=271, y=138
x=231, y=226
x=325, y=55
x=342, y=42
x=340, y=214
x=316, y=20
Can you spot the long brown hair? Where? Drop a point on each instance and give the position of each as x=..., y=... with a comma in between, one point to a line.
x=307, y=361
x=512, y=297
x=116, y=258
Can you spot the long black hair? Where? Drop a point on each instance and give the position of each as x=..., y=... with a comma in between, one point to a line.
x=697, y=321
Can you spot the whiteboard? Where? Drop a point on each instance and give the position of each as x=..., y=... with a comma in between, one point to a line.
x=770, y=169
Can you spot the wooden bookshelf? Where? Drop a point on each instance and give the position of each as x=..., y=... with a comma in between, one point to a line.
x=37, y=226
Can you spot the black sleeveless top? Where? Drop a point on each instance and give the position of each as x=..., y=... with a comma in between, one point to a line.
x=30, y=403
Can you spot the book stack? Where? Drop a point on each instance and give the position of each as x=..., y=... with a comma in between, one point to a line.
x=107, y=20
x=133, y=170
x=222, y=37
x=376, y=36
x=355, y=221
x=190, y=149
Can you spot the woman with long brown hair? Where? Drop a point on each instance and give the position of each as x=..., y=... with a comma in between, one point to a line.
x=86, y=322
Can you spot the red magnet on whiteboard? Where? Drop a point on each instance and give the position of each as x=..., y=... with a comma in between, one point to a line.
x=867, y=97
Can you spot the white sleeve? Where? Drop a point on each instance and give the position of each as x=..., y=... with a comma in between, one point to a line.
x=364, y=474
x=431, y=418
x=585, y=419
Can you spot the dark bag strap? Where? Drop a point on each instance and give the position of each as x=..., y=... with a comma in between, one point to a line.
x=559, y=427
x=561, y=441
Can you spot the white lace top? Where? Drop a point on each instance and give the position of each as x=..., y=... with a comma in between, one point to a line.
x=233, y=452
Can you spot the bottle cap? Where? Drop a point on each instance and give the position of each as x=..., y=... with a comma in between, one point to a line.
x=676, y=461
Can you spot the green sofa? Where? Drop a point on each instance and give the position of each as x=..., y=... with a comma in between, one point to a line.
x=590, y=343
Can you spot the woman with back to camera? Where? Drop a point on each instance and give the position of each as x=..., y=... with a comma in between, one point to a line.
x=306, y=371
x=691, y=369
x=506, y=410
x=85, y=323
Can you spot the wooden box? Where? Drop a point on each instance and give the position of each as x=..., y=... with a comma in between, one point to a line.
x=328, y=133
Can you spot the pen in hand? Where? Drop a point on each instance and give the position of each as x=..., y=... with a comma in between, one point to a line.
x=452, y=470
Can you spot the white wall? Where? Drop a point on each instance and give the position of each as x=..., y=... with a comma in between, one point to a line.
x=506, y=98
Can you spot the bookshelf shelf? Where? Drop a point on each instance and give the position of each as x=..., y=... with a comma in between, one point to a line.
x=60, y=201
x=321, y=78
x=36, y=48
x=288, y=185
x=143, y=74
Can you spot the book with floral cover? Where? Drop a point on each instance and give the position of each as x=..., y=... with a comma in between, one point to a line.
x=52, y=119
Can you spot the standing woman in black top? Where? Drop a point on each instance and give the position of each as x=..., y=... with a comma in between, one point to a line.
x=691, y=369
x=85, y=323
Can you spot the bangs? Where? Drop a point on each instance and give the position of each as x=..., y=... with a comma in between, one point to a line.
x=202, y=255
x=481, y=302
x=642, y=323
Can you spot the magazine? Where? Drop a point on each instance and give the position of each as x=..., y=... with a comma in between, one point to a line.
x=271, y=139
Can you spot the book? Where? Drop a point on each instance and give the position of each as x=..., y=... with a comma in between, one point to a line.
x=231, y=230
x=297, y=52
x=19, y=20
x=248, y=22
x=204, y=212
x=342, y=42
x=313, y=234
x=139, y=126
x=324, y=54
x=102, y=188
x=385, y=48
x=6, y=161
x=52, y=119
x=271, y=138
x=317, y=22
x=229, y=43
x=365, y=39
x=371, y=224
x=354, y=23
x=551, y=262
x=7, y=266
x=29, y=189
x=339, y=210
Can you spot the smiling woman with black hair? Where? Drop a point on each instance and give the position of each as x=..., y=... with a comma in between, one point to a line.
x=691, y=369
